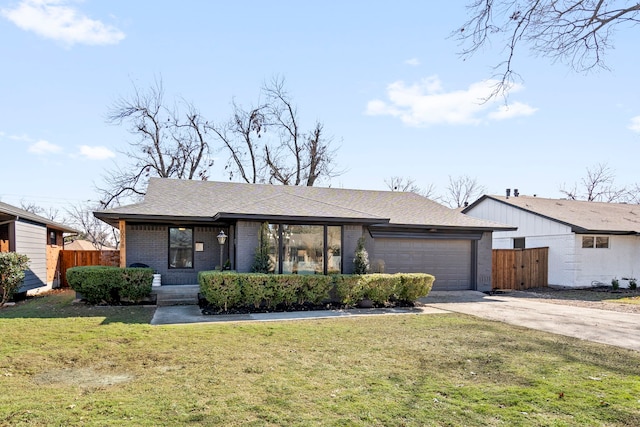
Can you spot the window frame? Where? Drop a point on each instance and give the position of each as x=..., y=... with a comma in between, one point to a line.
x=281, y=226
x=192, y=247
x=597, y=241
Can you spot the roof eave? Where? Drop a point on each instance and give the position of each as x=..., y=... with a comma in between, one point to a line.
x=447, y=227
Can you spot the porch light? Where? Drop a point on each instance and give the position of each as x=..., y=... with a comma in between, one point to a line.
x=221, y=239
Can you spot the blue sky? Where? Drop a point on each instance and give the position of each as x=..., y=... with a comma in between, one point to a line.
x=383, y=77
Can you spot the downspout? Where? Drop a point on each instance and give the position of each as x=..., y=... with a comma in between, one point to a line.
x=474, y=265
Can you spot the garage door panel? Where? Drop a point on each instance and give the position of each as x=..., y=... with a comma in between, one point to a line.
x=448, y=260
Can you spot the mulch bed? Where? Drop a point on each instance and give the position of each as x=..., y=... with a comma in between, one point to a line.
x=208, y=309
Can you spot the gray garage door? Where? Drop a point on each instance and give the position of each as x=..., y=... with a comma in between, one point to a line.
x=448, y=260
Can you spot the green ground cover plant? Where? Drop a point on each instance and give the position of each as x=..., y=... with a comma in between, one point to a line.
x=80, y=365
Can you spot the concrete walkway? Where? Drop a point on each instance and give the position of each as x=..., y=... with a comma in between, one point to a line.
x=603, y=326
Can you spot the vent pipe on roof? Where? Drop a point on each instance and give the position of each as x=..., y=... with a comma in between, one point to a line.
x=516, y=193
x=508, y=192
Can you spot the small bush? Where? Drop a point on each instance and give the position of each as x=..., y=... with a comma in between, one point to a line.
x=314, y=289
x=348, y=288
x=379, y=288
x=261, y=260
x=221, y=289
x=615, y=284
x=361, y=260
x=12, y=268
x=136, y=283
x=253, y=288
x=282, y=289
x=414, y=286
x=102, y=284
x=97, y=284
x=633, y=285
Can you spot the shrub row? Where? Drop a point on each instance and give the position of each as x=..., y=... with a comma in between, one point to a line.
x=101, y=284
x=229, y=289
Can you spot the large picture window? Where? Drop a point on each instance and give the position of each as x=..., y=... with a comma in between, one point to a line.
x=305, y=249
x=180, y=247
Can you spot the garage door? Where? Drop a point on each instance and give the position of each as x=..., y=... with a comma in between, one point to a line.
x=448, y=260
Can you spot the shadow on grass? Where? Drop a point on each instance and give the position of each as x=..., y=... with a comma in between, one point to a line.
x=60, y=304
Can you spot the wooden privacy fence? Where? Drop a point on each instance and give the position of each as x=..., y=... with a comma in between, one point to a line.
x=79, y=258
x=520, y=268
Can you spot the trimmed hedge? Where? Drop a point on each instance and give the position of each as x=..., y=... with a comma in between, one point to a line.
x=229, y=289
x=102, y=284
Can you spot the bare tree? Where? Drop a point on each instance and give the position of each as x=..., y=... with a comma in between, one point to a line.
x=462, y=190
x=50, y=213
x=577, y=32
x=172, y=142
x=599, y=186
x=265, y=143
x=399, y=183
x=99, y=233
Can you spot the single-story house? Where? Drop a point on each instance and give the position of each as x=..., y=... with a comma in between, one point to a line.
x=38, y=238
x=590, y=243
x=311, y=230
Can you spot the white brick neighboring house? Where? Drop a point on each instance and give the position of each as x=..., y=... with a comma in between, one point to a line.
x=311, y=230
x=590, y=243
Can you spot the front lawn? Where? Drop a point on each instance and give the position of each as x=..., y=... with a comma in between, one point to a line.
x=63, y=364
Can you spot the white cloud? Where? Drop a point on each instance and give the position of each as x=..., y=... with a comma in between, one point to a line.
x=54, y=19
x=413, y=62
x=635, y=124
x=427, y=103
x=516, y=109
x=96, y=153
x=44, y=147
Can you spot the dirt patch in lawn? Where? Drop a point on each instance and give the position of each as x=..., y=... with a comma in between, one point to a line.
x=82, y=377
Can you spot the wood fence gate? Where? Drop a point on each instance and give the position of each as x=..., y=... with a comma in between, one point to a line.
x=520, y=268
x=79, y=258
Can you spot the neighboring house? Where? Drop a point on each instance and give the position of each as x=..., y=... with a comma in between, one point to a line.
x=312, y=230
x=38, y=238
x=589, y=242
x=85, y=245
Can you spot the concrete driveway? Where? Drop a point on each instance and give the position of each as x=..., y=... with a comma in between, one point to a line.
x=603, y=326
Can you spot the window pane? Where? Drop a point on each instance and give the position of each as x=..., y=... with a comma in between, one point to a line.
x=180, y=248
x=518, y=243
x=274, y=254
x=334, y=250
x=303, y=247
x=587, y=241
x=602, y=241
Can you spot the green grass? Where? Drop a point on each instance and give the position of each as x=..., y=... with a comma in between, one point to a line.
x=63, y=364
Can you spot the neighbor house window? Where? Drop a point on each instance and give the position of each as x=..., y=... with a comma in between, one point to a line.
x=518, y=243
x=180, y=247
x=52, y=237
x=597, y=242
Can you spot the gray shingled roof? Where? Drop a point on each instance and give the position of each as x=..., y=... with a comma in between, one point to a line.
x=10, y=213
x=582, y=216
x=202, y=200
